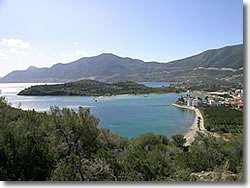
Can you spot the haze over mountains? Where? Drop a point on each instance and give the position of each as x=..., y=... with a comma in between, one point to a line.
x=224, y=64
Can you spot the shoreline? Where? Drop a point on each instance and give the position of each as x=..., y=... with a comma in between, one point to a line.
x=104, y=96
x=146, y=94
x=193, y=129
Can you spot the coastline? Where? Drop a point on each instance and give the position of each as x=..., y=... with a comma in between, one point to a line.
x=145, y=94
x=190, y=136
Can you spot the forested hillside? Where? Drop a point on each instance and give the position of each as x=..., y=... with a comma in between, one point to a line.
x=94, y=88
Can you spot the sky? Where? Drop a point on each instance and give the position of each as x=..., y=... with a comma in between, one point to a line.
x=45, y=32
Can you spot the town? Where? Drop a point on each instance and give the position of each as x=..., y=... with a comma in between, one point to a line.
x=232, y=98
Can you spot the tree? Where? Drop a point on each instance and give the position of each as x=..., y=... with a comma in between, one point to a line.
x=67, y=145
x=178, y=140
x=25, y=151
x=199, y=123
x=77, y=133
x=204, y=154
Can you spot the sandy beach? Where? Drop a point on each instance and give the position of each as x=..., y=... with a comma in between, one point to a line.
x=190, y=136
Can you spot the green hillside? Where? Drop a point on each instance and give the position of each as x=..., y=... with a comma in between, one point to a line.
x=93, y=88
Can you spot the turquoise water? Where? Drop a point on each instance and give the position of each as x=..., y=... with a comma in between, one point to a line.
x=128, y=116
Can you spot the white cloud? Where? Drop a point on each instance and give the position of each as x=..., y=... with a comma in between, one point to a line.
x=76, y=43
x=81, y=53
x=17, y=43
x=3, y=55
x=17, y=52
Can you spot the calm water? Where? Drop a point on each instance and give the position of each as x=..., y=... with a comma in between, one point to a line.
x=129, y=116
x=157, y=84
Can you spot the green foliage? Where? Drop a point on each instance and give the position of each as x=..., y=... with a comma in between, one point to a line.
x=93, y=88
x=149, y=141
x=178, y=140
x=223, y=119
x=77, y=132
x=209, y=153
x=64, y=145
x=180, y=101
x=25, y=153
x=204, y=154
x=67, y=170
x=233, y=152
x=149, y=159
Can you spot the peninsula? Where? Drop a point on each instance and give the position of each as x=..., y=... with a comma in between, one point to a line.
x=197, y=126
x=94, y=88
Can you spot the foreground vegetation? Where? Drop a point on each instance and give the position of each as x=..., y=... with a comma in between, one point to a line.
x=64, y=145
x=94, y=88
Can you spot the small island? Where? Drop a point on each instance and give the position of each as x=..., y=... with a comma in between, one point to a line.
x=95, y=88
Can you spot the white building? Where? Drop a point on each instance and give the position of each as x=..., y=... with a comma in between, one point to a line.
x=189, y=102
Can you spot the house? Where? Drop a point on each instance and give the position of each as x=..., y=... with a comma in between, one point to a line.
x=236, y=104
x=188, y=99
x=220, y=104
x=196, y=103
x=211, y=102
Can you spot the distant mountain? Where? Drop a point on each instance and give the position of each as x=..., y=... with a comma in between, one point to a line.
x=227, y=57
x=224, y=64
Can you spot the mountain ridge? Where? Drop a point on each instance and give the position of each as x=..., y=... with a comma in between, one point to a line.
x=109, y=67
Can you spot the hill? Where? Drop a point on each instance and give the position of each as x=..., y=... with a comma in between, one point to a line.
x=92, y=88
x=220, y=65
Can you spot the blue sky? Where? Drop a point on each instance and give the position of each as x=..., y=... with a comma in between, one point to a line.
x=44, y=32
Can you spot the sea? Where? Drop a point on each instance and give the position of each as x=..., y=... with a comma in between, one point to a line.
x=127, y=116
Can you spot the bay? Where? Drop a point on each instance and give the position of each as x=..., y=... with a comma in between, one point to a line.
x=128, y=116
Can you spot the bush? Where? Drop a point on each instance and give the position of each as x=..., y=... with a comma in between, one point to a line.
x=179, y=140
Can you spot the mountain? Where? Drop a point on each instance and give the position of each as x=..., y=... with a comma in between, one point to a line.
x=227, y=57
x=224, y=64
